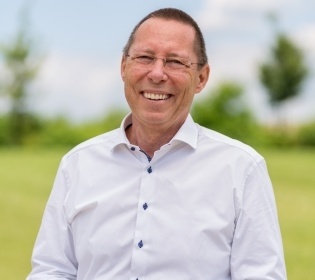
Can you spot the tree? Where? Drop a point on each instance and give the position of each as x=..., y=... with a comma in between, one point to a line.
x=284, y=73
x=21, y=66
x=225, y=111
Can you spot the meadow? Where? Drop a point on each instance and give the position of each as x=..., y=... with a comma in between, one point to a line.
x=26, y=176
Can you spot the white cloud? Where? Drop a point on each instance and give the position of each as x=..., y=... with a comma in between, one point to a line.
x=76, y=86
x=305, y=37
x=217, y=14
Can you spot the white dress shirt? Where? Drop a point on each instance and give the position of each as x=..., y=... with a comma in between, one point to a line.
x=202, y=208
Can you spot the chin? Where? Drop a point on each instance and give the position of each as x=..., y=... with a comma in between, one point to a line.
x=154, y=118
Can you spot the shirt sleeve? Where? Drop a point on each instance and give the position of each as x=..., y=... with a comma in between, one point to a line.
x=53, y=255
x=257, y=251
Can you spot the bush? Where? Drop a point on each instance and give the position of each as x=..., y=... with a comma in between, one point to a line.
x=306, y=134
x=4, y=128
x=61, y=132
x=225, y=111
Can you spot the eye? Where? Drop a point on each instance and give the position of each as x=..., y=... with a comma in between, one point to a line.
x=144, y=59
x=175, y=63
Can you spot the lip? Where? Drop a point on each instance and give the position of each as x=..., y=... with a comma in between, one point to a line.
x=155, y=96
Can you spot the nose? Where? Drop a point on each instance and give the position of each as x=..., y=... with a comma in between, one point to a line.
x=157, y=72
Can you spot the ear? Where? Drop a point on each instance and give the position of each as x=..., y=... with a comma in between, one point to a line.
x=203, y=77
x=123, y=67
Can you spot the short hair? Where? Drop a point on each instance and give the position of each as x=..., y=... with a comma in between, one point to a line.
x=180, y=16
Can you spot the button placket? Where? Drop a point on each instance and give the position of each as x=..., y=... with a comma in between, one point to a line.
x=141, y=235
x=141, y=242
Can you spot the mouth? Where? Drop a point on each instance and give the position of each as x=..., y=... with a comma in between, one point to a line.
x=155, y=96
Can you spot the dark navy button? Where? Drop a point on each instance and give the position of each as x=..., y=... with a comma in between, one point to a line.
x=132, y=148
x=140, y=244
x=145, y=206
x=149, y=169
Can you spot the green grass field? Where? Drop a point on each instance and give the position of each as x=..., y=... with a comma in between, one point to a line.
x=26, y=177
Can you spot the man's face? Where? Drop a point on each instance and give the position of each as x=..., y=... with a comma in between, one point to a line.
x=158, y=95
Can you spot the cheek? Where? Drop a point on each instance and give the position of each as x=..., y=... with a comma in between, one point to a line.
x=133, y=76
x=129, y=92
x=123, y=76
x=189, y=90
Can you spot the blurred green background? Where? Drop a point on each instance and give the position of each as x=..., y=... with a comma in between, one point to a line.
x=27, y=176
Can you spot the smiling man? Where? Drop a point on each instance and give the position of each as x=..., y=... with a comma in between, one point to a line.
x=161, y=197
x=161, y=80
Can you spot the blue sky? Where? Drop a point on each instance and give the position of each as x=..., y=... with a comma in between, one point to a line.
x=82, y=43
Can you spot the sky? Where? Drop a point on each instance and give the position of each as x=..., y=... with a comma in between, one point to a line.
x=81, y=44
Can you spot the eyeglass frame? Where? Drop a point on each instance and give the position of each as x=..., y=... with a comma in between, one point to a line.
x=164, y=59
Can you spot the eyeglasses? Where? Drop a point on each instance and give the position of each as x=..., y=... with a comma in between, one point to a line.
x=170, y=63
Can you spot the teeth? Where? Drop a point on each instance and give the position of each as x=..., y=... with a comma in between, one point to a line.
x=155, y=96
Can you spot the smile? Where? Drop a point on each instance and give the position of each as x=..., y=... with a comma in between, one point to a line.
x=155, y=96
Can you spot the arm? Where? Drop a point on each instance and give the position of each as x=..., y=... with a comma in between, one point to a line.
x=53, y=254
x=257, y=251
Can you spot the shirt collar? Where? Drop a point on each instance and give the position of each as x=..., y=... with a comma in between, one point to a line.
x=188, y=132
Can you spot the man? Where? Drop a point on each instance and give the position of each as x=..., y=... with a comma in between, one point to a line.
x=161, y=197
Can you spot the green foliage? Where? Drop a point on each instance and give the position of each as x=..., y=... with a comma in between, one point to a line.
x=21, y=67
x=284, y=74
x=306, y=134
x=279, y=137
x=302, y=135
x=225, y=111
x=60, y=132
x=4, y=127
x=29, y=125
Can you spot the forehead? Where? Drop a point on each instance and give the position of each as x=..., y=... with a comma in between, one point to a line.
x=161, y=34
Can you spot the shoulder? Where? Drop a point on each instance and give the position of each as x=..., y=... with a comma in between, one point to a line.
x=105, y=141
x=218, y=141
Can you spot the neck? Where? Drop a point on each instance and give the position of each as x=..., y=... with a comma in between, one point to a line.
x=150, y=138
